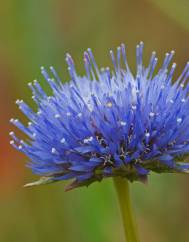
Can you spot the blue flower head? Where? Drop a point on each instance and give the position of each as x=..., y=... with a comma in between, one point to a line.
x=107, y=123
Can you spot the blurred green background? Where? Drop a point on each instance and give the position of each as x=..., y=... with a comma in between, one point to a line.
x=35, y=33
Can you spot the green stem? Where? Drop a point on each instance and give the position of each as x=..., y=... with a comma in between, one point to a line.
x=122, y=188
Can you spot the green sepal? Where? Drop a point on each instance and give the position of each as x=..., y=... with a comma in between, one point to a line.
x=42, y=181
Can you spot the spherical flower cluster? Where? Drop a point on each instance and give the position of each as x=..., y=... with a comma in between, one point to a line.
x=107, y=123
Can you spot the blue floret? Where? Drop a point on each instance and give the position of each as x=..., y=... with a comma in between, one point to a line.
x=107, y=123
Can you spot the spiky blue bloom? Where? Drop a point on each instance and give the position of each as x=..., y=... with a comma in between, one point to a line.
x=107, y=123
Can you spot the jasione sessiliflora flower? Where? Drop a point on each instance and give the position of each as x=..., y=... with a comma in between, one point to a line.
x=107, y=123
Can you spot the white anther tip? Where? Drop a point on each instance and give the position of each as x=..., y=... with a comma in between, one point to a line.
x=62, y=141
x=39, y=112
x=57, y=116
x=109, y=104
x=123, y=123
x=11, y=133
x=179, y=120
x=53, y=150
x=182, y=85
x=151, y=114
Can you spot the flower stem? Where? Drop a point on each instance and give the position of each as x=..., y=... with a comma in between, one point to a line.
x=122, y=188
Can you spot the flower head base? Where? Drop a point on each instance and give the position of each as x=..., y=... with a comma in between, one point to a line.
x=107, y=123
